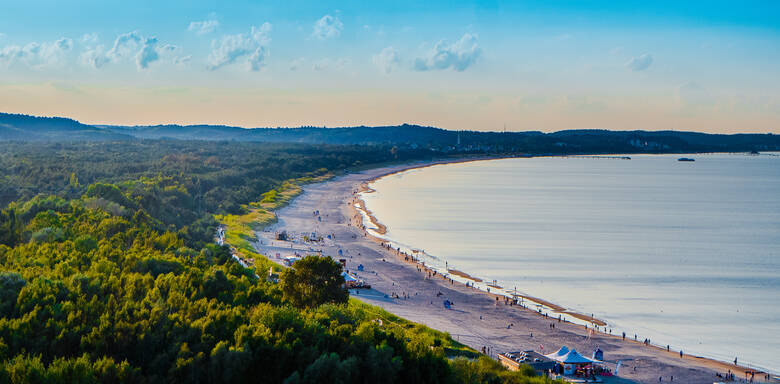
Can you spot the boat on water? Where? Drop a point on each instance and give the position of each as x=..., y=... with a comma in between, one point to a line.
x=685, y=159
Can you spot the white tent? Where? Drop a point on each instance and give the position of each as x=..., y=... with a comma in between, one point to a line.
x=560, y=352
x=574, y=357
x=348, y=277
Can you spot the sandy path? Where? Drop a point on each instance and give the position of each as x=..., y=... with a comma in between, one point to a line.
x=475, y=319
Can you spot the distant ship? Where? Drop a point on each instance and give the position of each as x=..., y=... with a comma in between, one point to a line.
x=685, y=159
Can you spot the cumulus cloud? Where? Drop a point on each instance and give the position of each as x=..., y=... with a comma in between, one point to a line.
x=148, y=53
x=640, y=63
x=131, y=45
x=95, y=57
x=125, y=45
x=251, y=48
x=458, y=56
x=327, y=27
x=203, y=27
x=386, y=60
x=89, y=38
x=64, y=44
x=10, y=53
x=37, y=55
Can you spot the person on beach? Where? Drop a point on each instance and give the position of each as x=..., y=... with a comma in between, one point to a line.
x=681, y=353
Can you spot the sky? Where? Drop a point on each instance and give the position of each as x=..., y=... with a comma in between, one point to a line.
x=710, y=66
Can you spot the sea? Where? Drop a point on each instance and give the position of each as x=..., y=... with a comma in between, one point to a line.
x=686, y=254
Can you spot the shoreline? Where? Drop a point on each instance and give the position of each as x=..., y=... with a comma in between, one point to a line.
x=381, y=229
x=381, y=272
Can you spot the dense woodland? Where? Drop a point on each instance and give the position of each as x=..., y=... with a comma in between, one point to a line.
x=484, y=141
x=108, y=273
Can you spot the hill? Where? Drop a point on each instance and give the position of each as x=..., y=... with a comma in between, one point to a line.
x=31, y=128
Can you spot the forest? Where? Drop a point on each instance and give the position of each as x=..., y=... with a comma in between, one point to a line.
x=484, y=140
x=109, y=273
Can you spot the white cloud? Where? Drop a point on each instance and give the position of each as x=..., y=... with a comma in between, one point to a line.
x=387, y=59
x=327, y=27
x=10, y=53
x=183, y=60
x=251, y=48
x=203, y=27
x=458, y=56
x=89, y=38
x=148, y=54
x=145, y=51
x=640, y=63
x=37, y=55
x=64, y=44
x=125, y=45
x=95, y=57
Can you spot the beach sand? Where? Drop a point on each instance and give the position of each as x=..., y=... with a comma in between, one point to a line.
x=476, y=319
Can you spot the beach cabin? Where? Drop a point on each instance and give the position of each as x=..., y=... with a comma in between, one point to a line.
x=537, y=361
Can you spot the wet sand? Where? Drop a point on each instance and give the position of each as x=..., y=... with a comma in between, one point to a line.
x=476, y=319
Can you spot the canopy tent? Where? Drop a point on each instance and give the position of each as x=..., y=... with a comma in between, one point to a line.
x=348, y=277
x=572, y=362
x=560, y=352
x=574, y=357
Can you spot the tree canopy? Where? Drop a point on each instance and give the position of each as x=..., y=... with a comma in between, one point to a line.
x=116, y=277
x=313, y=281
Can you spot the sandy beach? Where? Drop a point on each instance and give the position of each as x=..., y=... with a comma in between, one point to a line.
x=477, y=318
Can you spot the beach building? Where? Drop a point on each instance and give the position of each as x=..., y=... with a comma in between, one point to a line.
x=539, y=362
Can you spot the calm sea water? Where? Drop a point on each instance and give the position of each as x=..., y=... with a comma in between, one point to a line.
x=683, y=253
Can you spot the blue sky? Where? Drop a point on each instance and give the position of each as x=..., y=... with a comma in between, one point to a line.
x=527, y=65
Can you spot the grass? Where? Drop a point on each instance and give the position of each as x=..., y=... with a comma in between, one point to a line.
x=240, y=229
x=412, y=330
